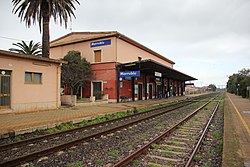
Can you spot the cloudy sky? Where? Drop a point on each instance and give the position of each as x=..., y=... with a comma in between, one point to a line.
x=207, y=39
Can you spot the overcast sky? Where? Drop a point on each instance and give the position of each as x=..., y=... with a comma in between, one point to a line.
x=207, y=39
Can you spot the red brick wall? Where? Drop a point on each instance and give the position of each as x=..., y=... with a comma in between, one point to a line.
x=106, y=72
x=126, y=88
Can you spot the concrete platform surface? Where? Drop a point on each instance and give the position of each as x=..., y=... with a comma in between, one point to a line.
x=236, y=150
x=20, y=123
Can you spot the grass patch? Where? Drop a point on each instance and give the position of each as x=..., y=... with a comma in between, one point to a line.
x=205, y=165
x=136, y=163
x=155, y=146
x=182, y=132
x=197, y=157
x=143, y=136
x=159, y=126
x=65, y=126
x=153, y=165
x=215, y=135
x=219, y=147
x=167, y=153
x=169, y=149
x=37, y=132
x=74, y=164
x=100, y=162
x=177, y=143
x=31, y=165
x=82, y=100
x=113, y=153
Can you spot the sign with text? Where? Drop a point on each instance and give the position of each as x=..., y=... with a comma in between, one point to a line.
x=158, y=74
x=130, y=73
x=100, y=43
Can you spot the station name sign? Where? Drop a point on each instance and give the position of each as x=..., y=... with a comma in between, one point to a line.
x=130, y=73
x=158, y=74
x=100, y=43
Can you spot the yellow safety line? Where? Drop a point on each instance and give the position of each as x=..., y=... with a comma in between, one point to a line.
x=241, y=118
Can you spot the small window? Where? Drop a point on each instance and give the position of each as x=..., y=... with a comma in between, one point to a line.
x=33, y=78
x=98, y=55
x=28, y=77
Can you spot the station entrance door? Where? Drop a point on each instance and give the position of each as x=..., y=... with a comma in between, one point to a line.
x=97, y=90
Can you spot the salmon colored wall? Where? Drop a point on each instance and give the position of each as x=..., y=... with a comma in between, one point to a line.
x=129, y=53
x=108, y=51
x=121, y=52
x=32, y=96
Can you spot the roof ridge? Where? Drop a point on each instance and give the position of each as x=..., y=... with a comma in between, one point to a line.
x=85, y=32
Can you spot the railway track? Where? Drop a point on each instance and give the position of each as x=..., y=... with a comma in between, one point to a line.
x=178, y=145
x=83, y=134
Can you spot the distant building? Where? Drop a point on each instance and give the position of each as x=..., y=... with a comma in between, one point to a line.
x=28, y=82
x=122, y=68
x=191, y=89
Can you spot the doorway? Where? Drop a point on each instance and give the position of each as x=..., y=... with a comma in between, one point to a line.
x=4, y=89
x=150, y=91
x=159, y=91
x=139, y=91
x=97, y=90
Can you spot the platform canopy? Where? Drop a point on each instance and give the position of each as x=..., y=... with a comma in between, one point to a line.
x=150, y=66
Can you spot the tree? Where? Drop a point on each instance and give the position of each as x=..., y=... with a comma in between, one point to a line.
x=212, y=87
x=31, y=11
x=237, y=83
x=30, y=49
x=77, y=73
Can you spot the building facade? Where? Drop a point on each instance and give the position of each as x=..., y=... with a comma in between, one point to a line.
x=28, y=83
x=122, y=68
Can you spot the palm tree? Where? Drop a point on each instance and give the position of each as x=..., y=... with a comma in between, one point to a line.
x=30, y=49
x=41, y=11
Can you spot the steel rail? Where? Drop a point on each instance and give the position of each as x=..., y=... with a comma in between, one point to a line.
x=44, y=152
x=53, y=135
x=188, y=164
x=141, y=150
x=48, y=136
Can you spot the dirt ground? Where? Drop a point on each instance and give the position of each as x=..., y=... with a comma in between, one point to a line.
x=236, y=132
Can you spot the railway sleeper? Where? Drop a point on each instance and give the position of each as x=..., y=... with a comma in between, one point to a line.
x=171, y=152
x=190, y=127
x=174, y=147
x=154, y=164
x=180, y=138
x=190, y=131
x=164, y=159
x=175, y=143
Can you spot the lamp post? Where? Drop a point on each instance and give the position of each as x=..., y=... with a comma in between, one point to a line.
x=238, y=85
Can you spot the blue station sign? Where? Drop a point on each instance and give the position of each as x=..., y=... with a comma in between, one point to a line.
x=130, y=73
x=100, y=43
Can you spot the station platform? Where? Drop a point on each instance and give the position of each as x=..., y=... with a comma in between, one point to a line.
x=236, y=149
x=19, y=123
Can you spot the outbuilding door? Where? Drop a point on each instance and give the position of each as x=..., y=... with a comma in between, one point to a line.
x=4, y=89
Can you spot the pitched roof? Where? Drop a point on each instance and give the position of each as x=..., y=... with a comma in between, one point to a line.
x=30, y=57
x=87, y=36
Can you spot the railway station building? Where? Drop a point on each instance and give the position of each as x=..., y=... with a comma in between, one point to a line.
x=123, y=69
